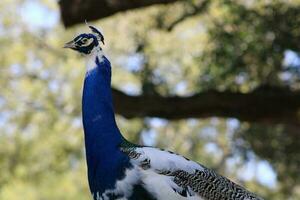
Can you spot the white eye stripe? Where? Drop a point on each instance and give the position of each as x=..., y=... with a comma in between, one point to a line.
x=87, y=43
x=78, y=39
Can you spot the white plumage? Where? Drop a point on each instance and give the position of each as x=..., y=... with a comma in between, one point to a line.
x=169, y=176
x=162, y=186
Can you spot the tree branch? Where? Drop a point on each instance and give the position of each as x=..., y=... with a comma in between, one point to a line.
x=197, y=9
x=266, y=106
x=76, y=11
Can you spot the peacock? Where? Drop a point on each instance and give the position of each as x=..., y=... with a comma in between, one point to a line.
x=121, y=170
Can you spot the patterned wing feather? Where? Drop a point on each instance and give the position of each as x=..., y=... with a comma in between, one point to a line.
x=189, y=179
x=211, y=186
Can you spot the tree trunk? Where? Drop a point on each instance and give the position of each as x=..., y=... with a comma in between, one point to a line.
x=77, y=11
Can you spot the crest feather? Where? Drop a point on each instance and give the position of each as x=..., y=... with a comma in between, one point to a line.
x=96, y=32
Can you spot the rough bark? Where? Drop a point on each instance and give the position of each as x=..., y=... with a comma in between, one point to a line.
x=77, y=11
x=271, y=106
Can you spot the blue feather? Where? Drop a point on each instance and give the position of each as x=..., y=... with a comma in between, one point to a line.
x=106, y=163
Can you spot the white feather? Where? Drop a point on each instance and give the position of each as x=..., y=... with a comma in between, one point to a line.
x=164, y=160
x=91, y=58
x=124, y=186
x=161, y=186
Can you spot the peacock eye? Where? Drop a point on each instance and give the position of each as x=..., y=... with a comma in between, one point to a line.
x=84, y=40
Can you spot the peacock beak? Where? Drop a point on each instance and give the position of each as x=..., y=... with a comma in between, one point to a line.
x=70, y=45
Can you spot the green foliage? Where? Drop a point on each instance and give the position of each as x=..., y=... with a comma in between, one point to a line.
x=232, y=45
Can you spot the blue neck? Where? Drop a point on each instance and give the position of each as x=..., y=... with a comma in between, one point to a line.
x=97, y=108
x=102, y=135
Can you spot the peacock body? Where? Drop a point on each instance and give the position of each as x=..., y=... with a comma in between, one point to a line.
x=120, y=170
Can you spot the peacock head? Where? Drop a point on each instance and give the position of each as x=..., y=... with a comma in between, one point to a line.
x=86, y=42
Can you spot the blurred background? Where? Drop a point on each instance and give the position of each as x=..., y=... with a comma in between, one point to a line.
x=216, y=81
